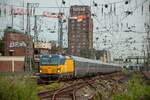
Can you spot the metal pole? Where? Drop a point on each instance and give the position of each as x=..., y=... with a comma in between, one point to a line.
x=12, y=17
x=23, y=16
x=28, y=30
x=148, y=27
x=27, y=27
x=60, y=30
x=27, y=57
x=35, y=29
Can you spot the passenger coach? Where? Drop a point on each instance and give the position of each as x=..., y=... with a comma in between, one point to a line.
x=58, y=66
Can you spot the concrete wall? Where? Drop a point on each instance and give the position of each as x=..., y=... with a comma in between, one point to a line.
x=12, y=63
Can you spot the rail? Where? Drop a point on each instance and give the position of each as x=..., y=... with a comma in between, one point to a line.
x=74, y=86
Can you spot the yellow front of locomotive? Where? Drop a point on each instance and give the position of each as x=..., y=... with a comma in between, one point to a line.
x=48, y=70
x=55, y=65
x=50, y=65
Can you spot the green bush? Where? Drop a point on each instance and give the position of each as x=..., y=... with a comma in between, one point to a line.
x=17, y=87
x=136, y=90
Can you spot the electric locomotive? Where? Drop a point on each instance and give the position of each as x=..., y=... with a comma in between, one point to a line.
x=58, y=66
x=54, y=66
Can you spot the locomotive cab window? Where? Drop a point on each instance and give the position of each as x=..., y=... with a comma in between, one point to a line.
x=57, y=60
x=62, y=61
x=45, y=61
x=54, y=61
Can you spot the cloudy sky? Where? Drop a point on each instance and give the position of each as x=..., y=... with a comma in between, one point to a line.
x=114, y=28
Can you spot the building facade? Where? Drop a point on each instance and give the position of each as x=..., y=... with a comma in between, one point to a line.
x=12, y=63
x=17, y=43
x=80, y=30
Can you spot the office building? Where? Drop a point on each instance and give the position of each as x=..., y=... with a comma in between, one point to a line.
x=80, y=30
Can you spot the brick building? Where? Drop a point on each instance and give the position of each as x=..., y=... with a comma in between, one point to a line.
x=16, y=43
x=12, y=64
x=80, y=30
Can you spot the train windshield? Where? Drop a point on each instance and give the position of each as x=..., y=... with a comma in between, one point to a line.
x=54, y=60
x=45, y=61
x=57, y=60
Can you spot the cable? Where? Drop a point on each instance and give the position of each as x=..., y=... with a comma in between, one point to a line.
x=81, y=2
x=112, y=2
x=135, y=8
x=38, y=7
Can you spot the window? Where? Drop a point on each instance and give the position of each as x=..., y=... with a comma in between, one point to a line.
x=62, y=61
x=36, y=51
x=78, y=24
x=72, y=28
x=72, y=21
x=78, y=49
x=73, y=36
x=84, y=29
x=83, y=43
x=78, y=29
x=72, y=25
x=54, y=61
x=72, y=46
x=78, y=37
x=84, y=21
x=45, y=61
x=11, y=53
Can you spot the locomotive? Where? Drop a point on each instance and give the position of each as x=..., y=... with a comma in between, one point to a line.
x=58, y=66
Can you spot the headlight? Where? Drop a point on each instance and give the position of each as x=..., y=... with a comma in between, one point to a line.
x=58, y=70
x=40, y=71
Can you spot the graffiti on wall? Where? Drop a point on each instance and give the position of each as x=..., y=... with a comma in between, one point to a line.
x=19, y=44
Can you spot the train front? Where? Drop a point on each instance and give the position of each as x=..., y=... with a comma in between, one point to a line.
x=50, y=66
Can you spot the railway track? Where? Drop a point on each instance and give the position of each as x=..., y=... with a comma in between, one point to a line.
x=146, y=75
x=72, y=91
x=145, y=71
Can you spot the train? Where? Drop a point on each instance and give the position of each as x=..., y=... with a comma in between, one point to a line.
x=59, y=66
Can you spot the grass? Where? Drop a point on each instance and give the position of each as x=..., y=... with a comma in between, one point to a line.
x=52, y=86
x=17, y=87
x=136, y=90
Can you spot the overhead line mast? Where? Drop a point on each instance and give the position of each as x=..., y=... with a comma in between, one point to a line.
x=60, y=26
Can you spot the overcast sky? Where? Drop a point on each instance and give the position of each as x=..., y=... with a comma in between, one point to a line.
x=111, y=27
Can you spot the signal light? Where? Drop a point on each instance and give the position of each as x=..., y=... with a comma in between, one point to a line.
x=78, y=18
x=81, y=17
